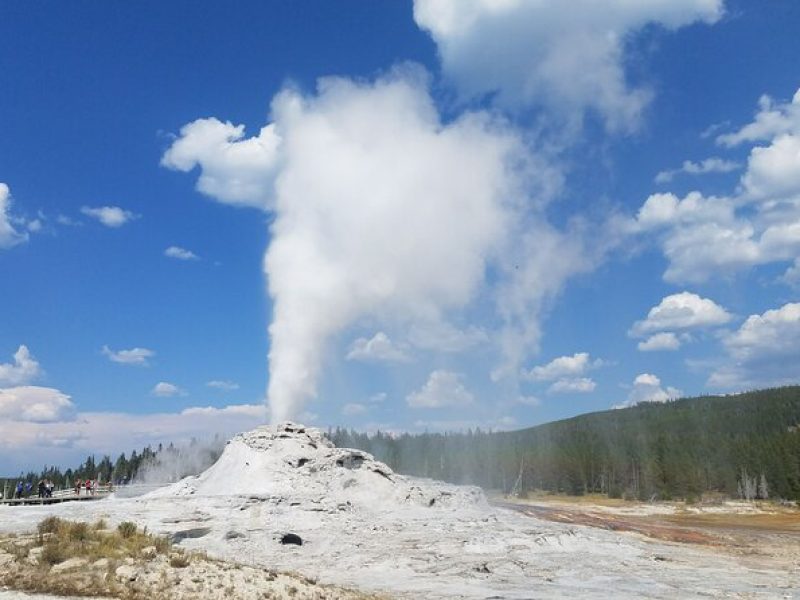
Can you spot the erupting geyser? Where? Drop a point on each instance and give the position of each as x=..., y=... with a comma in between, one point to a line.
x=385, y=213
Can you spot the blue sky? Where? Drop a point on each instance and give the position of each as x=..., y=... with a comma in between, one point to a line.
x=468, y=219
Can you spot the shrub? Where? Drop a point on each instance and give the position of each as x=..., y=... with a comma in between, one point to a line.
x=50, y=525
x=79, y=531
x=179, y=561
x=162, y=544
x=127, y=529
x=53, y=553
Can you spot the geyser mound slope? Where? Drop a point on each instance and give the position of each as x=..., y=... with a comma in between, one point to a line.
x=298, y=464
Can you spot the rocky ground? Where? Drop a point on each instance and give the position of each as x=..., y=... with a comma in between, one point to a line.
x=357, y=524
x=155, y=579
x=150, y=575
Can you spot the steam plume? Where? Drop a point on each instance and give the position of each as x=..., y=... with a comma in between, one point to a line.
x=383, y=212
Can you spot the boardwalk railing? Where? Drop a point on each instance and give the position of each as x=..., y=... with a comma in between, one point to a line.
x=100, y=492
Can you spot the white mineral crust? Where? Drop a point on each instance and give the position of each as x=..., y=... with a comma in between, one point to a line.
x=362, y=525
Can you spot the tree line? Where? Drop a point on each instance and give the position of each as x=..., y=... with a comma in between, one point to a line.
x=745, y=445
x=125, y=469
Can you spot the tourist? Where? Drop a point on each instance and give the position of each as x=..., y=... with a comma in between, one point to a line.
x=18, y=491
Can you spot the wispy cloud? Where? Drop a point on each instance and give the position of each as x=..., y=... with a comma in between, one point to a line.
x=572, y=385
x=224, y=385
x=709, y=165
x=164, y=389
x=134, y=356
x=180, y=253
x=110, y=216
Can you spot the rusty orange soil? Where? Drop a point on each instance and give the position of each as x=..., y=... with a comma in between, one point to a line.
x=768, y=533
x=646, y=526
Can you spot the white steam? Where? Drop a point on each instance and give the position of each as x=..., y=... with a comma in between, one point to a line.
x=383, y=212
x=174, y=463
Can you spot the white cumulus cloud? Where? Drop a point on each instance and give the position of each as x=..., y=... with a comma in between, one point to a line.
x=758, y=223
x=706, y=237
x=110, y=216
x=30, y=440
x=34, y=404
x=681, y=311
x=9, y=236
x=763, y=351
x=660, y=341
x=647, y=388
x=24, y=369
x=180, y=253
x=443, y=389
x=773, y=172
x=563, y=366
x=234, y=170
x=567, y=56
x=772, y=120
x=134, y=356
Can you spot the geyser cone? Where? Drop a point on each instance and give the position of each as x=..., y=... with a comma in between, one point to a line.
x=290, y=462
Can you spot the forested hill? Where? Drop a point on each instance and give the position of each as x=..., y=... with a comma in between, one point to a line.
x=745, y=445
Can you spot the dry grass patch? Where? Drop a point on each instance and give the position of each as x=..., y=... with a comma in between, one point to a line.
x=69, y=558
x=542, y=497
x=785, y=521
x=61, y=540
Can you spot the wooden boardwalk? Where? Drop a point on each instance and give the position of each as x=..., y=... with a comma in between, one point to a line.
x=57, y=497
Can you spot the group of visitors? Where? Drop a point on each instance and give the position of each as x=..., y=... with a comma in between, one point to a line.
x=90, y=486
x=23, y=488
x=44, y=488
